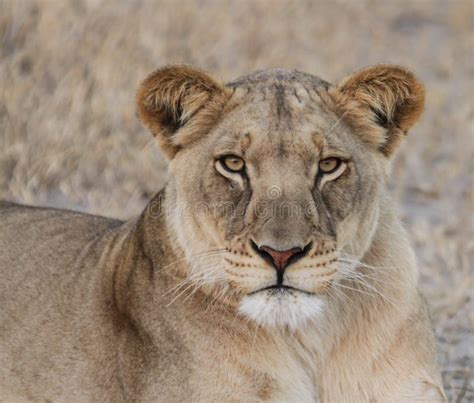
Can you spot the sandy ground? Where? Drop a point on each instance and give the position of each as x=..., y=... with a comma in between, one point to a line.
x=69, y=136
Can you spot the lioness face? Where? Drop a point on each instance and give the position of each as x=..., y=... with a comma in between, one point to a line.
x=270, y=195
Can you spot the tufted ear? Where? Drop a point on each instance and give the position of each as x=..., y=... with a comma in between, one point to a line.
x=179, y=97
x=380, y=103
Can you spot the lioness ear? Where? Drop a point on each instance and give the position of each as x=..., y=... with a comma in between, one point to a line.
x=380, y=103
x=173, y=97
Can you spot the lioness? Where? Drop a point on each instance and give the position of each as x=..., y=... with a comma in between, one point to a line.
x=272, y=267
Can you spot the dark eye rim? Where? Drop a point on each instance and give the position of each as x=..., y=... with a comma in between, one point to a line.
x=222, y=159
x=339, y=162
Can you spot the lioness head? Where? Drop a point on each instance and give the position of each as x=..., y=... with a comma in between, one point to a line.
x=275, y=177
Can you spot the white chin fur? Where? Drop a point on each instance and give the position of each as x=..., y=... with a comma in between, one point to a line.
x=280, y=309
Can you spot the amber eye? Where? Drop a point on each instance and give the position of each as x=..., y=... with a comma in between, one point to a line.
x=329, y=165
x=232, y=163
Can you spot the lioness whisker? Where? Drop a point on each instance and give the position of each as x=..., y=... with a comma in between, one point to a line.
x=392, y=279
x=192, y=284
x=202, y=254
x=193, y=277
x=349, y=268
x=359, y=263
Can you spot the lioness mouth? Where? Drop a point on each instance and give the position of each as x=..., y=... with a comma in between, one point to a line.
x=280, y=288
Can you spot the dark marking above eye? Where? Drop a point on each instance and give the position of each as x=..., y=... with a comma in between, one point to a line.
x=282, y=151
x=281, y=106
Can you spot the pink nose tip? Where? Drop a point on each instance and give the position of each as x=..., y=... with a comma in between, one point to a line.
x=280, y=259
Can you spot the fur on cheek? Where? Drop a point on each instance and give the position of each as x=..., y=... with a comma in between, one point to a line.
x=282, y=309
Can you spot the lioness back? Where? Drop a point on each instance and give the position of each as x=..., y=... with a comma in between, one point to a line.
x=42, y=295
x=30, y=234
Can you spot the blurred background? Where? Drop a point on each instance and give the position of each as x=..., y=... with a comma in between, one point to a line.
x=69, y=135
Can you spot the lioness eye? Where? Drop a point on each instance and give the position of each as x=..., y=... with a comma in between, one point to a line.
x=232, y=163
x=329, y=165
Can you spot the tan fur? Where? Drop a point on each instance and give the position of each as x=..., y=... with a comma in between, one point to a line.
x=393, y=92
x=170, y=306
x=170, y=96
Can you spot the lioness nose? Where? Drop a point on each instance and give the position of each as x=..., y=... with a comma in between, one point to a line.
x=280, y=259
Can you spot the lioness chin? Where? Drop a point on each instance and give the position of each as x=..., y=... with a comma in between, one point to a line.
x=272, y=267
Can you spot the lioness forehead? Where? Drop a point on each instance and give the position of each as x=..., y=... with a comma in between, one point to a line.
x=270, y=77
x=278, y=111
x=288, y=94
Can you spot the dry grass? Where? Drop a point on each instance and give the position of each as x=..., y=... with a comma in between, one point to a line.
x=69, y=136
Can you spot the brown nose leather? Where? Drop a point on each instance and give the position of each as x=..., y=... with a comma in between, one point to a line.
x=280, y=258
